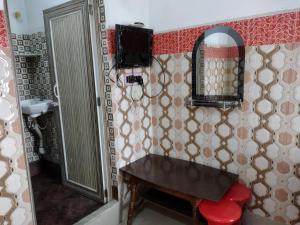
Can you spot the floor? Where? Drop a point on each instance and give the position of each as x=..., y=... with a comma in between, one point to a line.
x=151, y=216
x=59, y=205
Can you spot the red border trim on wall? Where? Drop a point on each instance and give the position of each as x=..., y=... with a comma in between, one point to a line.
x=3, y=30
x=276, y=29
x=111, y=41
x=221, y=52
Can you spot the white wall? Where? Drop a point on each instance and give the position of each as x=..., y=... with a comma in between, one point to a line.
x=161, y=15
x=168, y=15
x=32, y=14
x=219, y=39
x=1, y=4
x=126, y=12
x=18, y=26
x=35, y=13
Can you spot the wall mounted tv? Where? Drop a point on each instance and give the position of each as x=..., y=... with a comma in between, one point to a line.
x=134, y=46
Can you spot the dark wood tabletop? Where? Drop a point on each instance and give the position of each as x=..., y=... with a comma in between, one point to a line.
x=175, y=175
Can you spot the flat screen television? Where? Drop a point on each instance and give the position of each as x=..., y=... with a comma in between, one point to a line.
x=134, y=46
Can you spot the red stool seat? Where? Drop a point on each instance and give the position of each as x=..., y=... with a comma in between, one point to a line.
x=239, y=194
x=223, y=212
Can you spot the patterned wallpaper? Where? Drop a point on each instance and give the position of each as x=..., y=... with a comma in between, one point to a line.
x=132, y=121
x=33, y=76
x=259, y=140
x=34, y=81
x=221, y=76
x=3, y=31
x=15, y=207
x=276, y=29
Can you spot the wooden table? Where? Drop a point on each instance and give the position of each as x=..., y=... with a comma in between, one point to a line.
x=186, y=180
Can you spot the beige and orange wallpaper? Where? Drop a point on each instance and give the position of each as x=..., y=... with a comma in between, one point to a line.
x=132, y=120
x=257, y=141
x=15, y=207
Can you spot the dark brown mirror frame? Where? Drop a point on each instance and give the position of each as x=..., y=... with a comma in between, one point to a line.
x=218, y=100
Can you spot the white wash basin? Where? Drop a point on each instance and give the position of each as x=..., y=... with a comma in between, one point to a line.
x=36, y=107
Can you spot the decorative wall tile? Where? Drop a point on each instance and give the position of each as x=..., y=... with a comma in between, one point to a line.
x=33, y=75
x=3, y=31
x=34, y=81
x=187, y=38
x=276, y=29
x=13, y=176
x=132, y=121
x=273, y=29
x=111, y=41
x=257, y=141
x=166, y=43
x=193, y=118
x=103, y=45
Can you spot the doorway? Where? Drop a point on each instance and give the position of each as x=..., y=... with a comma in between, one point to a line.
x=71, y=66
x=56, y=65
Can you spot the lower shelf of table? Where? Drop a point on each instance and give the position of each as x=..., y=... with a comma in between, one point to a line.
x=170, y=203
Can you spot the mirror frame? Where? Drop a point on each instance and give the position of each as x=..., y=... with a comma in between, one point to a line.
x=218, y=100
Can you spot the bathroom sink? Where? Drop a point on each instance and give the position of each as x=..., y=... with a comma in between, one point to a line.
x=36, y=107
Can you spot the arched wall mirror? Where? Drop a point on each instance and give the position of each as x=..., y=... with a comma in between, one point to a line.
x=218, y=68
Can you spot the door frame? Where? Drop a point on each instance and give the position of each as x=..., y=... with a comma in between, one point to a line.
x=100, y=94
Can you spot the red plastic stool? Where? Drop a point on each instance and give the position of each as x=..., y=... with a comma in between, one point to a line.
x=223, y=212
x=239, y=194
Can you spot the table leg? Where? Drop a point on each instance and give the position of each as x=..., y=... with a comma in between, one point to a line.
x=195, y=211
x=132, y=203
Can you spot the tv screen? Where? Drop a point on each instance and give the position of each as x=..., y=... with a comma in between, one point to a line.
x=134, y=46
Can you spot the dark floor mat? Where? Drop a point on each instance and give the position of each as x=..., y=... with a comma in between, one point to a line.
x=57, y=204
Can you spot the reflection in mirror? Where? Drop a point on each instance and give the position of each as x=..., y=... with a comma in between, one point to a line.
x=218, y=62
x=220, y=54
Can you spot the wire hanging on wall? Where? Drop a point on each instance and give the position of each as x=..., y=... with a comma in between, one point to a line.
x=164, y=80
x=119, y=83
x=142, y=86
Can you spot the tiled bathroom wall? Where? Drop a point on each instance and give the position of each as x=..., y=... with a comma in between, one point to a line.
x=33, y=76
x=259, y=140
x=34, y=81
x=15, y=207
